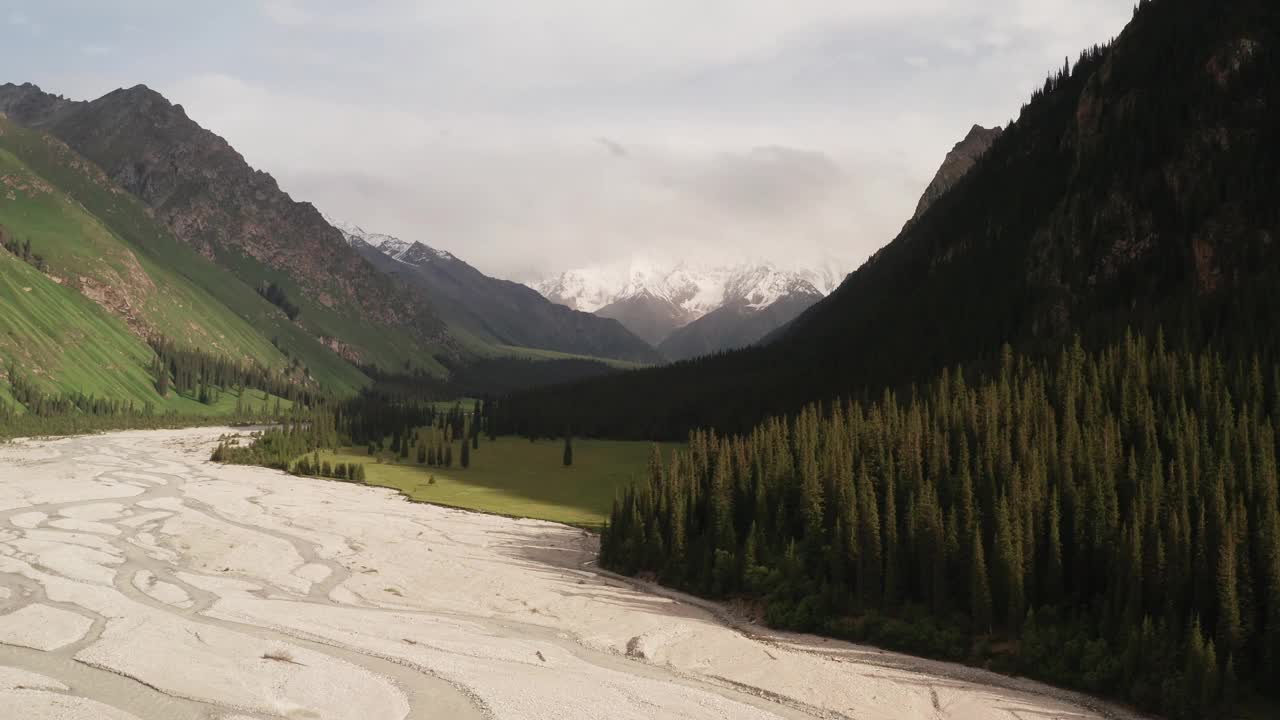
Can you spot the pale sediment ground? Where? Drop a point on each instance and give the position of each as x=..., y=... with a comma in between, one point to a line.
x=138, y=581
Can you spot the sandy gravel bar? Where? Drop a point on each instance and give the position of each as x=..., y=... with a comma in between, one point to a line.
x=139, y=581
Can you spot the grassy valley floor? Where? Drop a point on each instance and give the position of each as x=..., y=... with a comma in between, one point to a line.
x=513, y=476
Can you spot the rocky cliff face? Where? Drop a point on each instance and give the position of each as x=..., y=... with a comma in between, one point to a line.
x=956, y=165
x=205, y=192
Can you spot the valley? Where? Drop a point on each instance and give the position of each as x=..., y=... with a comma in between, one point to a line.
x=261, y=459
x=141, y=582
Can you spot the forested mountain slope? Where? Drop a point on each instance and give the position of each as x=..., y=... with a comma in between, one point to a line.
x=1136, y=189
x=1108, y=521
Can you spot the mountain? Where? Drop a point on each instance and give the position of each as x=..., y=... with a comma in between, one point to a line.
x=493, y=310
x=956, y=165
x=88, y=278
x=756, y=303
x=203, y=192
x=654, y=300
x=1136, y=190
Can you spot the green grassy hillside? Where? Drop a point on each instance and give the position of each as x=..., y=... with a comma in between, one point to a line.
x=100, y=243
x=65, y=343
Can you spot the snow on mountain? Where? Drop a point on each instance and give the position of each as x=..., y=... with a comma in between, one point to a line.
x=406, y=251
x=697, y=290
x=762, y=286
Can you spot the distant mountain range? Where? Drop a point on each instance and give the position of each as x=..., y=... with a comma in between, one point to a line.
x=686, y=310
x=493, y=310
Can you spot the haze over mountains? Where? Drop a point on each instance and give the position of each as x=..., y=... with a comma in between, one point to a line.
x=1135, y=190
x=163, y=187
x=356, y=298
x=494, y=310
x=714, y=307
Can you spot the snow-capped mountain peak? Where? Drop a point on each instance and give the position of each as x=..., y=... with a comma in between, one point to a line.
x=406, y=251
x=762, y=286
x=695, y=290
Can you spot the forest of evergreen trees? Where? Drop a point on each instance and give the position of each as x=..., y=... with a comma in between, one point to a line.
x=276, y=295
x=199, y=375
x=279, y=447
x=202, y=375
x=412, y=430
x=1108, y=520
x=22, y=250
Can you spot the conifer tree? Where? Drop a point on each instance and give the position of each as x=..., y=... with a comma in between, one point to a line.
x=979, y=584
x=1230, y=636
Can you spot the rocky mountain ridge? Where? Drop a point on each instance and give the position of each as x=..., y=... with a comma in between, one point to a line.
x=655, y=299
x=203, y=190
x=958, y=162
x=491, y=309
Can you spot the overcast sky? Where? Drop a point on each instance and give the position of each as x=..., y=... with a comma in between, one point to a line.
x=531, y=136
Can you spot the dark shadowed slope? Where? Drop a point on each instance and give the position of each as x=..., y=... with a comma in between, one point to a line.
x=493, y=310
x=736, y=325
x=1138, y=189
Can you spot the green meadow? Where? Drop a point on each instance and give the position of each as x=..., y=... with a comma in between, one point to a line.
x=516, y=477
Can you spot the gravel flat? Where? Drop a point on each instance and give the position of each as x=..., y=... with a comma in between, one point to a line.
x=139, y=581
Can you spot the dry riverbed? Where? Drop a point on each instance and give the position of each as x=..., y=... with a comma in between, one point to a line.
x=139, y=581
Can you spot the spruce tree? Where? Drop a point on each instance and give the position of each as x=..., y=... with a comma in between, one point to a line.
x=1230, y=636
x=979, y=584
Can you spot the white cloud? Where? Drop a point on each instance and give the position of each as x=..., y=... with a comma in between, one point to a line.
x=286, y=12
x=529, y=136
x=23, y=21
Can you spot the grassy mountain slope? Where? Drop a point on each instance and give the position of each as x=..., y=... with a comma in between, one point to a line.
x=102, y=241
x=65, y=343
x=199, y=188
x=113, y=278
x=1137, y=189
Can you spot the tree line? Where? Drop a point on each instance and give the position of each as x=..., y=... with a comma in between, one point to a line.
x=293, y=446
x=409, y=428
x=22, y=250
x=203, y=375
x=1114, y=514
x=276, y=295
